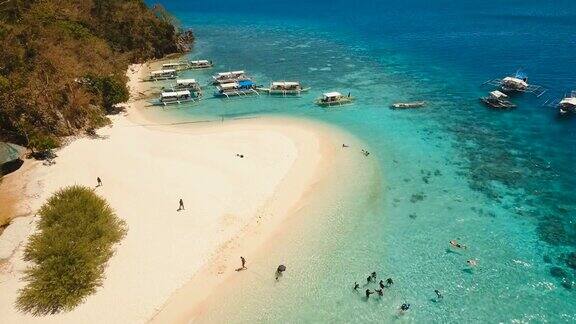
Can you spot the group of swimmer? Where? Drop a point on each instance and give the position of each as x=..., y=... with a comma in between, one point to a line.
x=382, y=284
x=457, y=245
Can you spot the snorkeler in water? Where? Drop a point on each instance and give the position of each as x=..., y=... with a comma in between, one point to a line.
x=368, y=293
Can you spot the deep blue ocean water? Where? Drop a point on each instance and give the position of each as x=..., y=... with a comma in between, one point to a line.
x=502, y=182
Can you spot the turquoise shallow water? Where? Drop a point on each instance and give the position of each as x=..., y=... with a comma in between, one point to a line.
x=500, y=182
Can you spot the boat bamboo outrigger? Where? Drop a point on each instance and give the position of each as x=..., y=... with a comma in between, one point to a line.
x=162, y=75
x=229, y=77
x=173, y=97
x=174, y=66
x=285, y=88
x=200, y=64
x=408, y=105
x=517, y=83
x=239, y=88
x=568, y=104
x=333, y=99
x=187, y=84
x=497, y=99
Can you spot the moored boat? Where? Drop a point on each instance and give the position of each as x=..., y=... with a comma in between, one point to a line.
x=162, y=75
x=408, y=105
x=175, y=97
x=229, y=77
x=497, y=99
x=237, y=88
x=333, y=99
x=285, y=88
x=187, y=84
x=568, y=104
x=200, y=64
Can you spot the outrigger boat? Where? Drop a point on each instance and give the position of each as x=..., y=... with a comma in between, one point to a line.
x=200, y=64
x=333, y=99
x=162, y=75
x=238, y=88
x=173, y=97
x=517, y=83
x=408, y=105
x=497, y=99
x=174, y=66
x=187, y=84
x=285, y=88
x=229, y=77
x=568, y=104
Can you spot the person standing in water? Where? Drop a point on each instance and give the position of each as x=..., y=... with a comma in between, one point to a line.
x=380, y=292
x=369, y=279
x=389, y=282
x=438, y=294
x=368, y=293
x=382, y=284
x=356, y=285
x=373, y=275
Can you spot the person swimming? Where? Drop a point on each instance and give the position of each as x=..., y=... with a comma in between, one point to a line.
x=405, y=307
x=389, y=282
x=380, y=292
x=373, y=275
x=368, y=293
x=455, y=244
x=438, y=294
x=356, y=285
x=472, y=262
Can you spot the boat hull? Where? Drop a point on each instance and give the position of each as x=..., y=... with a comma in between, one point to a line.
x=283, y=92
x=341, y=102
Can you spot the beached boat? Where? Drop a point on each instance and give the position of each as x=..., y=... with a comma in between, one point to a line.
x=568, y=104
x=333, y=99
x=200, y=64
x=174, y=66
x=229, y=77
x=408, y=105
x=497, y=99
x=517, y=83
x=175, y=97
x=163, y=75
x=237, y=88
x=284, y=88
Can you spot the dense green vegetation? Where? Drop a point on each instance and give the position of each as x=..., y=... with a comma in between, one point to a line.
x=76, y=234
x=63, y=62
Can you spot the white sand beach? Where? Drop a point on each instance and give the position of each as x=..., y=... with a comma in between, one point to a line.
x=233, y=204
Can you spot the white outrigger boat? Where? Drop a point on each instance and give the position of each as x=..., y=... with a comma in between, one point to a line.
x=497, y=99
x=568, y=104
x=229, y=77
x=238, y=88
x=333, y=99
x=284, y=88
x=187, y=84
x=517, y=83
x=175, y=97
x=200, y=64
x=163, y=75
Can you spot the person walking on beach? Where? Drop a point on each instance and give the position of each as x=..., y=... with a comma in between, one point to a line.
x=181, y=205
x=368, y=293
x=356, y=285
x=243, y=263
x=99, y=182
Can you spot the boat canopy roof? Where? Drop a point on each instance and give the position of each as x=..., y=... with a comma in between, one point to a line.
x=497, y=94
x=163, y=71
x=332, y=94
x=175, y=93
x=246, y=83
x=285, y=83
x=185, y=81
x=569, y=101
x=230, y=73
x=515, y=80
x=200, y=62
x=228, y=86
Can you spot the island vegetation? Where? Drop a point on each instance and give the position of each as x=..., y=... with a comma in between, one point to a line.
x=63, y=62
x=74, y=240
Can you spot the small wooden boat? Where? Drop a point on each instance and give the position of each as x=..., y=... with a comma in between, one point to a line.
x=408, y=105
x=175, y=97
x=497, y=99
x=163, y=75
x=333, y=99
x=568, y=104
x=229, y=77
x=284, y=88
x=238, y=88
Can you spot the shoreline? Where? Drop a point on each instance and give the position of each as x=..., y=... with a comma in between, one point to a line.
x=290, y=156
